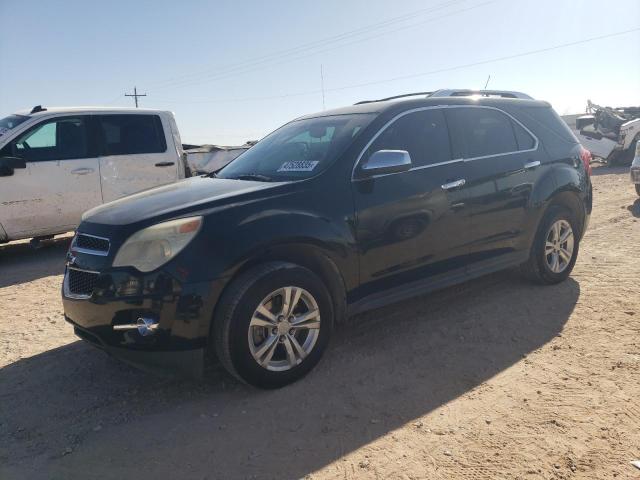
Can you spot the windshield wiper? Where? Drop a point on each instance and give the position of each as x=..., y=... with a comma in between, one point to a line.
x=252, y=176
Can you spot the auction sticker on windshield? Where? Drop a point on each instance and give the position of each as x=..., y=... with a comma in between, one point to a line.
x=298, y=166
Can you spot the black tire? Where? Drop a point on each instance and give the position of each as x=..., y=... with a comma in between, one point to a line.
x=537, y=268
x=236, y=308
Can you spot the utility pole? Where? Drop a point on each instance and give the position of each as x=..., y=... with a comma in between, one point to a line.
x=487, y=84
x=322, y=84
x=135, y=95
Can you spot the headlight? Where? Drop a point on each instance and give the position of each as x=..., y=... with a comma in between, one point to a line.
x=154, y=246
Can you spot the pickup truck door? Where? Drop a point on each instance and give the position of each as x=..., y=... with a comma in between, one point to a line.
x=61, y=179
x=137, y=154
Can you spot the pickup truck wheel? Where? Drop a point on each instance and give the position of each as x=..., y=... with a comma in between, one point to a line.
x=555, y=247
x=273, y=324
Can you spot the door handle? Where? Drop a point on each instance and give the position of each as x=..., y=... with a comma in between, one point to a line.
x=82, y=171
x=455, y=184
x=165, y=164
x=531, y=165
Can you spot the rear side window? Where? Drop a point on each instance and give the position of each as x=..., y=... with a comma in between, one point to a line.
x=132, y=134
x=548, y=118
x=480, y=132
x=423, y=134
x=63, y=138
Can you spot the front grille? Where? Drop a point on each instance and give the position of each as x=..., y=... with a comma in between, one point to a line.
x=91, y=244
x=80, y=282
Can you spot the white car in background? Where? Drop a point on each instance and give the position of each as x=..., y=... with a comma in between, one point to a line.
x=57, y=163
x=635, y=169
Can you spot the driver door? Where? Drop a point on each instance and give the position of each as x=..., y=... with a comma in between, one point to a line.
x=61, y=179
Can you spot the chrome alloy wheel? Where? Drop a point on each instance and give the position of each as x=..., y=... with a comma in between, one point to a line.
x=284, y=328
x=558, y=249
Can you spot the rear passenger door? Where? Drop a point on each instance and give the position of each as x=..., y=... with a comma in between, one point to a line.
x=501, y=160
x=134, y=154
x=408, y=226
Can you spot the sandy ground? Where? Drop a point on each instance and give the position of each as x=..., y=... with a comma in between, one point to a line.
x=492, y=379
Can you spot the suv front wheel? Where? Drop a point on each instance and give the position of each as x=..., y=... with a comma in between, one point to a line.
x=555, y=247
x=273, y=324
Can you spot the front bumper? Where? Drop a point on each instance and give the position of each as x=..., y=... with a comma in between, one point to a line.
x=188, y=363
x=183, y=312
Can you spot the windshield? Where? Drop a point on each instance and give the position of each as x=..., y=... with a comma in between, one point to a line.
x=298, y=150
x=12, y=121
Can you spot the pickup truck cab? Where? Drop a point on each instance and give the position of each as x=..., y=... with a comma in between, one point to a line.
x=56, y=163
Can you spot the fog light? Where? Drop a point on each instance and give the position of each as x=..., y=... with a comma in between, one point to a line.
x=147, y=326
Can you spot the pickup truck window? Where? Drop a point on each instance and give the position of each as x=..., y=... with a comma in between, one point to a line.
x=62, y=138
x=12, y=121
x=132, y=134
x=300, y=149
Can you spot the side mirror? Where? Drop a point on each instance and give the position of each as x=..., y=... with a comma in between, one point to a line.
x=387, y=161
x=9, y=164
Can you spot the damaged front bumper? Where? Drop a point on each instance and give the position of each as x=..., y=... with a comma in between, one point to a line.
x=153, y=321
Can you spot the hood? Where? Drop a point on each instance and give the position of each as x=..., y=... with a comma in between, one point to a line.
x=180, y=197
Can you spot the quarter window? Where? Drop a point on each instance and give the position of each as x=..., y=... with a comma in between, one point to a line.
x=62, y=138
x=479, y=132
x=423, y=134
x=132, y=134
x=524, y=138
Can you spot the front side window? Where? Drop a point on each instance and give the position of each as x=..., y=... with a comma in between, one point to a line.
x=62, y=138
x=132, y=134
x=423, y=134
x=12, y=121
x=300, y=149
x=479, y=132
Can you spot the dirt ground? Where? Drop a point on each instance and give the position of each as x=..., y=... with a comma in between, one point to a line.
x=492, y=379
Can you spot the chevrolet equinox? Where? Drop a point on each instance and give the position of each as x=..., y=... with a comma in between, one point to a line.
x=332, y=214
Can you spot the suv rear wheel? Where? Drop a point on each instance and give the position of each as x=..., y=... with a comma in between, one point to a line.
x=273, y=325
x=555, y=247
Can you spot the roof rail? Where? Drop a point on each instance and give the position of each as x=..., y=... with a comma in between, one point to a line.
x=482, y=93
x=38, y=108
x=426, y=94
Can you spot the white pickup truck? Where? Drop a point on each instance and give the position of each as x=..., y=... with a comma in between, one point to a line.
x=57, y=163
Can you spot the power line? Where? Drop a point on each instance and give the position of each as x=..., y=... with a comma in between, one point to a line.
x=303, y=56
x=311, y=45
x=415, y=75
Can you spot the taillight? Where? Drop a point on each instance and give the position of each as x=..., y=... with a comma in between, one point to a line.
x=585, y=156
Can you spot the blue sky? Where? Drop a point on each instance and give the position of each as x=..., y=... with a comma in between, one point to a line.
x=235, y=70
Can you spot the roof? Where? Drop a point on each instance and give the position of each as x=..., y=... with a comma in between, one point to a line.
x=405, y=104
x=50, y=110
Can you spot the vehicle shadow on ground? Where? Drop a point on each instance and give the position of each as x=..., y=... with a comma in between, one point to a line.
x=603, y=169
x=20, y=263
x=74, y=410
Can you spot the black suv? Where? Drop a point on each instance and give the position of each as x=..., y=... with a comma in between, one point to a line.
x=330, y=215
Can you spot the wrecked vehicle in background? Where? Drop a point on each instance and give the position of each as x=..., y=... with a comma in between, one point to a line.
x=205, y=159
x=57, y=163
x=635, y=169
x=616, y=130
